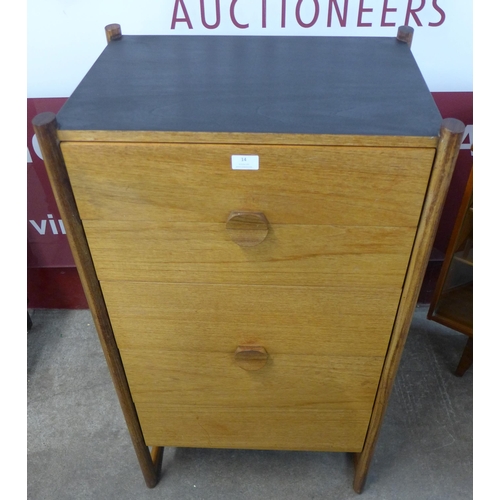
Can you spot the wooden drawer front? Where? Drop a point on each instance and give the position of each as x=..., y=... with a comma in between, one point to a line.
x=254, y=428
x=286, y=381
x=319, y=255
x=342, y=321
x=294, y=184
x=332, y=390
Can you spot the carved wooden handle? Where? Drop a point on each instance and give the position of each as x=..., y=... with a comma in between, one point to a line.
x=247, y=229
x=250, y=357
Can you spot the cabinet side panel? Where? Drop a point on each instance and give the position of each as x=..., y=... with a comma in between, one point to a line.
x=446, y=155
x=45, y=128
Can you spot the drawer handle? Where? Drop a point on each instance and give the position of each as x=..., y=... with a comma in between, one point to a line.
x=250, y=357
x=247, y=229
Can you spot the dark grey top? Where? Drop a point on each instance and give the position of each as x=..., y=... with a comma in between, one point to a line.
x=297, y=85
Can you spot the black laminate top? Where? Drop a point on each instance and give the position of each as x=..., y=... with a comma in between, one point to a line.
x=297, y=85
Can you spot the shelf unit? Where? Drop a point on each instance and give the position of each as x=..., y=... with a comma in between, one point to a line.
x=452, y=303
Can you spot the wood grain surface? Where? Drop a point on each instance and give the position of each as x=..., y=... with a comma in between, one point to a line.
x=332, y=391
x=294, y=185
x=320, y=255
x=287, y=381
x=218, y=318
x=390, y=141
x=255, y=428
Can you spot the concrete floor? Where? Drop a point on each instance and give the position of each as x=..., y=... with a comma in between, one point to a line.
x=79, y=448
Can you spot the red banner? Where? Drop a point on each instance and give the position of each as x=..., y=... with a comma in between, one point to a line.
x=455, y=105
x=52, y=278
x=47, y=242
x=53, y=281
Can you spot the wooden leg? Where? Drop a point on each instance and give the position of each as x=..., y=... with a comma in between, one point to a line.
x=157, y=457
x=360, y=472
x=447, y=152
x=465, y=360
x=46, y=131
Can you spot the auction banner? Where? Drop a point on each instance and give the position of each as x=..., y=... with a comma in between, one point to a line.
x=66, y=37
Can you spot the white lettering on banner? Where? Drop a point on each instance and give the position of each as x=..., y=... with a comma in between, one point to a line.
x=41, y=229
x=30, y=160
x=52, y=223
x=467, y=135
x=309, y=13
x=36, y=147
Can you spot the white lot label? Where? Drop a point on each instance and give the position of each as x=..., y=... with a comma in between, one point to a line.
x=249, y=162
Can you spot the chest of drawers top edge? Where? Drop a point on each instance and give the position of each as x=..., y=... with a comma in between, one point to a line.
x=297, y=86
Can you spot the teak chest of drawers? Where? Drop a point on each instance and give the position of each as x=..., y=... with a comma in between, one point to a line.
x=251, y=218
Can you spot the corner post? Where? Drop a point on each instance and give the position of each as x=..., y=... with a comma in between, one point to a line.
x=450, y=138
x=45, y=126
x=113, y=32
x=405, y=35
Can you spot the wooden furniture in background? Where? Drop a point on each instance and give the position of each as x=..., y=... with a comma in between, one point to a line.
x=251, y=218
x=452, y=302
